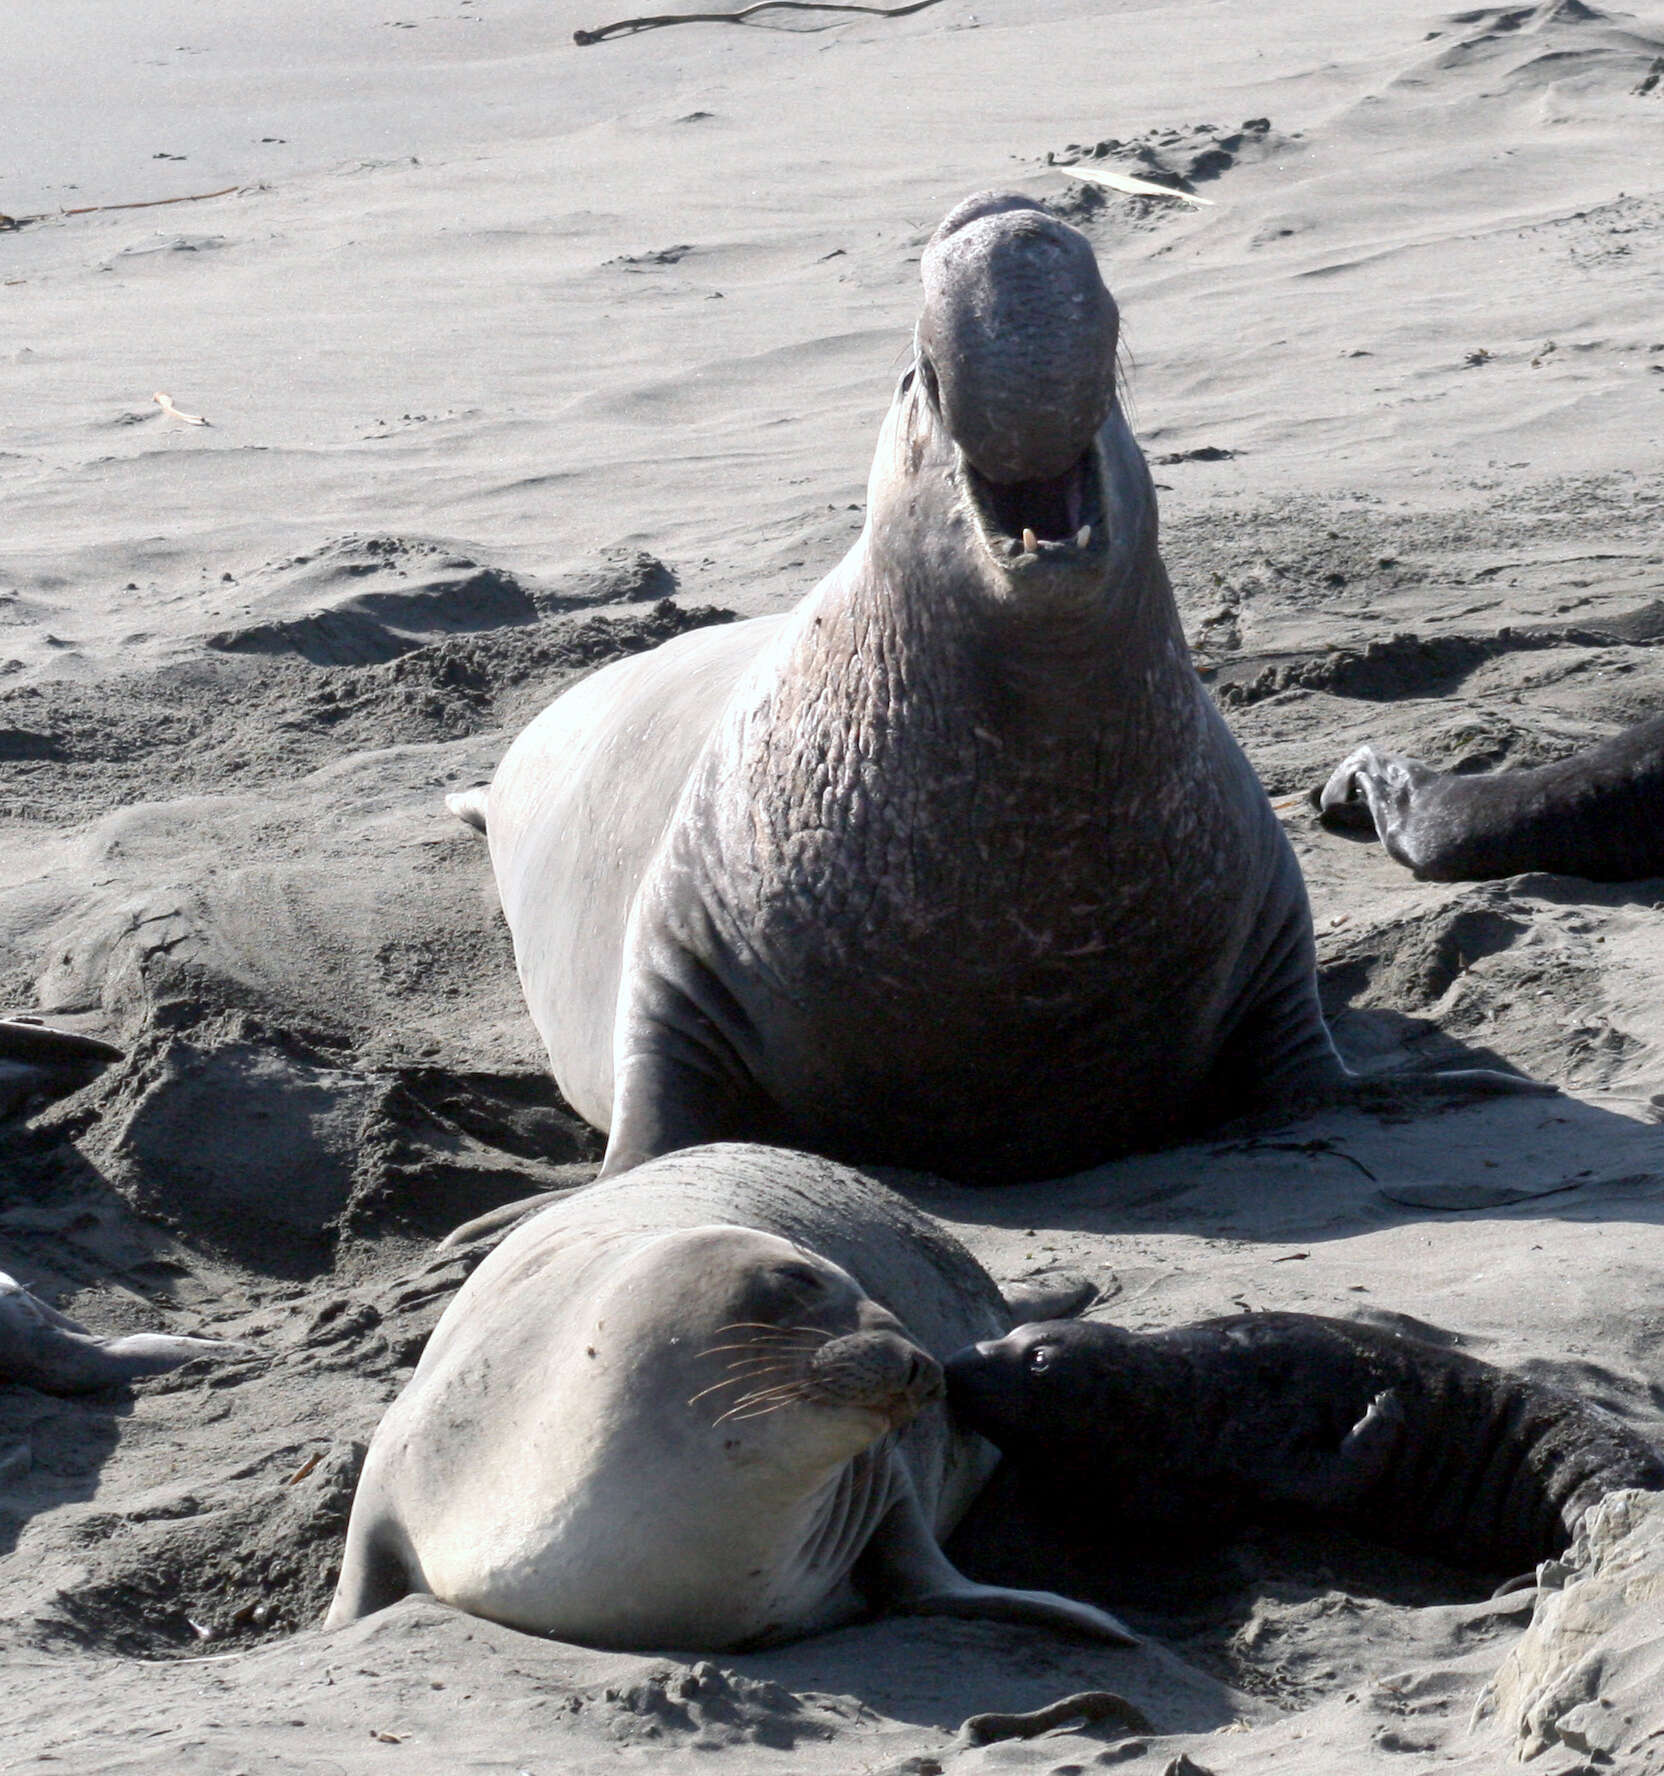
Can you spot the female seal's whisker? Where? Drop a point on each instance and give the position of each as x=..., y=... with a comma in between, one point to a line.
x=768, y=1397
x=757, y=1344
x=764, y=1393
x=759, y=1411
x=736, y=1381
x=745, y=1379
x=757, y=1326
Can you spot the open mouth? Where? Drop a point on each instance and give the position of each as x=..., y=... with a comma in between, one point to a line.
x=1057, y=519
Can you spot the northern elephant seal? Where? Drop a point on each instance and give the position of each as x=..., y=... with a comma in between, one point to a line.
x=956, y=866
x=682, y=1408
x=1294, y=1416
x=1598, y=814
x=36, y=1058
x=42, y=1348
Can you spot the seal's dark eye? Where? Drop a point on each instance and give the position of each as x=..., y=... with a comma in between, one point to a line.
x=800, y=1276
x=1040, y=1358
x=907, y=381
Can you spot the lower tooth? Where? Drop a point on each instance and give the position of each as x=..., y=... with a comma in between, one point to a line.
x=1083, y=536
x=1031, y=542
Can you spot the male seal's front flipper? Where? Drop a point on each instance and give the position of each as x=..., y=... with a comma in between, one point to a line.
x=1281, y=1061
x=1447, y=1090
x=1384, y=1092
x=680, y=1073
x=373, y=1576
x=903, y=1569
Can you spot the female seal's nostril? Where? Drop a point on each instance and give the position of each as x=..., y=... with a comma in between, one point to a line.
x=925, y=1381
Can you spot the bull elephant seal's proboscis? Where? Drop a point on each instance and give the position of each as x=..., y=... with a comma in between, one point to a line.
x=680, y=1409
x=956, y=866
x=1289, y=1416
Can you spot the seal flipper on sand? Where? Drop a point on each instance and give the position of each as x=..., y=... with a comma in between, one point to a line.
x=503, y=1219
x=469, y=806
x=374, y=1575
x=1059, y=1297
x=29, y=1040
x=906, y=1572
x=1598, y=814
x=35, y=1057
x=1281, y=1060
x=42, y=1348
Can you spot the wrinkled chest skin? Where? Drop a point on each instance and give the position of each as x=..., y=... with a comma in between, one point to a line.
x=986, y=882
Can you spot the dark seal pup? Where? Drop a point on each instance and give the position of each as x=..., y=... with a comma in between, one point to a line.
x=956, y=866
x=1293, y=1417
x=1598, y=814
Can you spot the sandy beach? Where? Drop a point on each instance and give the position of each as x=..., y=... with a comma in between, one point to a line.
x=518, y=356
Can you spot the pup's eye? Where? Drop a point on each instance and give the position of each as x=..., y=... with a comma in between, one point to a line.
x=907, y=380
x=800, y=1276
x=1040, y=1357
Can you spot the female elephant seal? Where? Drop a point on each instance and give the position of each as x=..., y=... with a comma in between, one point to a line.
x=1293, y=1416
x=1598, y=814
x=680, y=1409
x=956, y=866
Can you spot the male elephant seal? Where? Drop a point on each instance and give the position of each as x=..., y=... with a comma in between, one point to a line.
x=1598, y=814
x=1292, y=1416
x=680, y=1408
x=955, y=866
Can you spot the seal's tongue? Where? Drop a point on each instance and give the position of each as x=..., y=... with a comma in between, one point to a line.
x=1019, y=334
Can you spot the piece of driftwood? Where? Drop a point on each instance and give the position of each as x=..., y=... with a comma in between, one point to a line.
x=149, y=203
x=628, y=27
